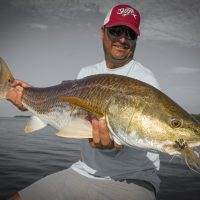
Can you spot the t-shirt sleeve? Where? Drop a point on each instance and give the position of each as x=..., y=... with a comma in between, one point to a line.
x=86, y=71
x=151, y=80
x=144, y=74
x=81, y=73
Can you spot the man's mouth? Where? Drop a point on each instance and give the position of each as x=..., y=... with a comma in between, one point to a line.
x=121, y=46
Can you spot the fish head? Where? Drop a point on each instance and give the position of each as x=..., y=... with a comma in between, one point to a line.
x=6, y=79
x=181, y=125
x=162, y=120
x=151, y=119
x=184, y=127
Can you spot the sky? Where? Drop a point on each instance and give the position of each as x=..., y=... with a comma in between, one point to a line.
x=47, y=41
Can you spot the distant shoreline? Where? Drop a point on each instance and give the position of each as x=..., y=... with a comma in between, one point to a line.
x=22, y=116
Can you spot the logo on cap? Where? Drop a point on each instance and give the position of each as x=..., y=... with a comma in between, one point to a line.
x=126, y=11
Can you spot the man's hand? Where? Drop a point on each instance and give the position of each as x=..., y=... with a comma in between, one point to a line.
x=101, y=138
x=14, y=95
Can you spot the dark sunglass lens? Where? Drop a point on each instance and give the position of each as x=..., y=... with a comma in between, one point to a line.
x=115, y=31
x=118, y=31
x=132, y=35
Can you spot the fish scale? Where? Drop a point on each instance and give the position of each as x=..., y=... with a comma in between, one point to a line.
x=103, y=87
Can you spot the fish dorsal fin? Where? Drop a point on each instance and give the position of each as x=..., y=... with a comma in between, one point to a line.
x=83, y=104
x=78, y=128
x=34, y=124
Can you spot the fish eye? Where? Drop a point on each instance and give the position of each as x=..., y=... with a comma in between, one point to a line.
x=175, y=123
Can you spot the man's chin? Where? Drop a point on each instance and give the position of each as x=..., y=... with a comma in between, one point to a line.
x=119, y=59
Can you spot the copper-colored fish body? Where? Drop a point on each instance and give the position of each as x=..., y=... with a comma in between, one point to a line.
x=130, y=105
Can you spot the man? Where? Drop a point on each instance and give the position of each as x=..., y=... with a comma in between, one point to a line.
x=106, y=169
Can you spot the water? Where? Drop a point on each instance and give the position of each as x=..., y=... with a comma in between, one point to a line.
x=25, y=159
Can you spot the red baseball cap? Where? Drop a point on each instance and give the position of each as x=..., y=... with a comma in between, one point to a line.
x=123, y=15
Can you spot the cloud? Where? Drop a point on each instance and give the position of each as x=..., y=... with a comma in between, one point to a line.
x=63, y=9
x=174, y=21
x=37, y=26
x=184, y=70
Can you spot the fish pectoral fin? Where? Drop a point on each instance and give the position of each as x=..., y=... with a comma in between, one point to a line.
x=191, y=157
x=79, y=128
x=81, y=103
x=34, y=124
x=118, y=115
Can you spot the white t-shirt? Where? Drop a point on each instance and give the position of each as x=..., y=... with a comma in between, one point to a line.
x=129, y=163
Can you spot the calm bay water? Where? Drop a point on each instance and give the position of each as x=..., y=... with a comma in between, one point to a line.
x=27, y=158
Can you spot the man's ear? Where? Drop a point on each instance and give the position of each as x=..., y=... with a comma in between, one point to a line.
x=102, y=32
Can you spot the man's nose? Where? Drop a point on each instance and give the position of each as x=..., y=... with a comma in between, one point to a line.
x=122, y=38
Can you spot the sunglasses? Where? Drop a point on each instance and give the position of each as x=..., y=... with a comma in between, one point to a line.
x=118, y=31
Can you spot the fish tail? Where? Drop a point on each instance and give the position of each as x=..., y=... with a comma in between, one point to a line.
x=6, y=79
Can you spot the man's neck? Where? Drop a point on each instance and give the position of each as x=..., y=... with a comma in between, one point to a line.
x=112, y=65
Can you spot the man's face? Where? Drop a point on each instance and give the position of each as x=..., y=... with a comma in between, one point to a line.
x=119, y=44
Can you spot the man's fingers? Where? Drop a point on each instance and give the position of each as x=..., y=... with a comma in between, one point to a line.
x=118, y=147
x=16, y=83
x=94, y=145
x=95, y=131
x=101, y=137
x=20, y=84
x=104, y=134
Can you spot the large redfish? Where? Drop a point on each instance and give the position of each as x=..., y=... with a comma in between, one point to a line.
x=137, y=114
